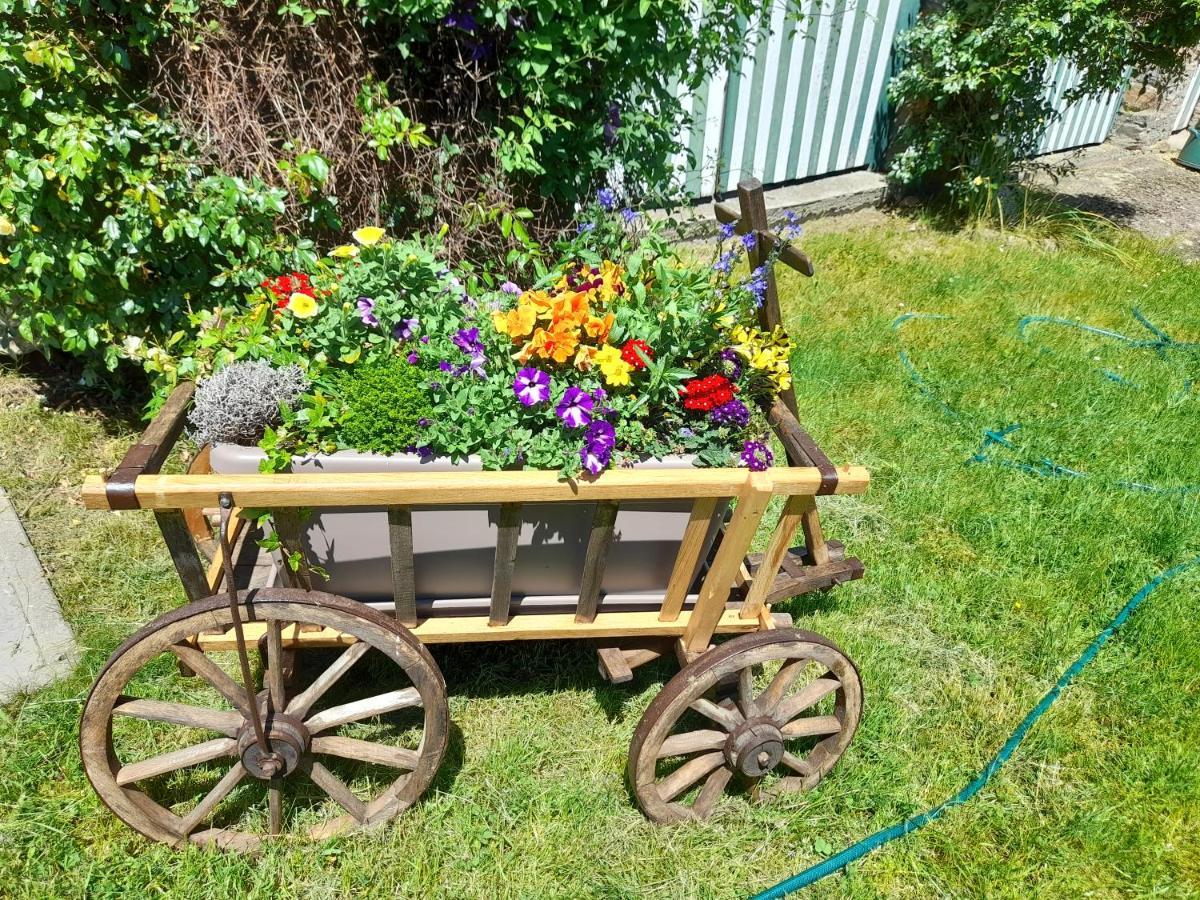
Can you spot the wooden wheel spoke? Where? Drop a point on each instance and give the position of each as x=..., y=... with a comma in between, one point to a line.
x=366, y=751
x=812, y=726
x=809, y=695
x=176, y=759
x=337, y=790
x=692, y=741
x=688, y=774
x=224, y=721
x=275, y=806
x=208, y=804
x=274, y=676
x=783, y=680
x=797, y=764
x=212, y=673
x=729, y=719
x=713, y=788
x=304, y=701
x=746, y=692
x=363, y=709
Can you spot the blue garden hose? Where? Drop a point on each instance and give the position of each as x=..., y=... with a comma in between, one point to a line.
x=879, y=838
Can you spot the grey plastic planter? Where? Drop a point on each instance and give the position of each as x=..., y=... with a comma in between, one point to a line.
x=454, y=547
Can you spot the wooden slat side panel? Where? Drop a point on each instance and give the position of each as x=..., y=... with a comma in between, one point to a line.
x=404, y=578
x=594, y=563
x=290, y=529
x=688, y=557
x=507, y=537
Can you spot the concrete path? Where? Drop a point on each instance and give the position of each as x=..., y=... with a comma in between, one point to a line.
x=36, y=644
x=1145, y=190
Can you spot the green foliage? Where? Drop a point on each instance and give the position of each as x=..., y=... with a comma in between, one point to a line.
x=578, y=87
x=110, y=229
x=972, y=85
x=386, y=404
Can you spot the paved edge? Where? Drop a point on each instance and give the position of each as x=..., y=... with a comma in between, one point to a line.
x=36, y=644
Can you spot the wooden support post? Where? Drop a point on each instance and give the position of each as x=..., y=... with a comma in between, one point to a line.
x=714, y=593
x=688, y=558
x=507, y=537
x=593, y=564
x=290, y=530
x=781, y=540
x=182, y=547
x=814, y=538
x=404, y=578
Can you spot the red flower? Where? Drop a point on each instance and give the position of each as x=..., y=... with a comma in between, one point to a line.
x=283, y=286
x=629, y=352
x=706, y=394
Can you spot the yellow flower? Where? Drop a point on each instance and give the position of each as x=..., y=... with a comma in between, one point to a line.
x=616, y=370
x=344, y=251
x=7, y=227
x=302, y=306
x=369, y=235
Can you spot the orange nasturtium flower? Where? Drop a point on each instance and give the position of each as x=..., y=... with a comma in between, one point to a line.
x=517, y=322
x=558, y=345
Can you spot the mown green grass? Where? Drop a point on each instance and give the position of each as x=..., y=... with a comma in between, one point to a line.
x=983, y=583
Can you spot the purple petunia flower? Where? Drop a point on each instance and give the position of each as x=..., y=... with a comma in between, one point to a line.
x=531, y=386
x=445, y=366
x=413, y=359
x=726, y=231
x=405, y=329
x=422, y=422
x=366, y=312
x=575, y=408
x=749, y=240
x=757, y=456
x=732, y=413
x=424, y=339
x=607, y=198
x=510, y=288
x=598, y=444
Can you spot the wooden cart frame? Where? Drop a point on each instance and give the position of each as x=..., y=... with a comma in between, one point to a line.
x=273, y=731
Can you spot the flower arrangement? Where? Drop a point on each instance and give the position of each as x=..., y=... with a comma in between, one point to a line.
x=619, y=352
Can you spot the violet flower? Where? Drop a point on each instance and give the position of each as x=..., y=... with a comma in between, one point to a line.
x=724, y=265
x=749, y=240
x=511, y=288
x=405, y=329
x=757, y=456
x=607, y=198
x=531, y=386
x=731, y=363
x=598, y=444
x=756, y=284
x=575, y=408
x=629, y=216
x=366, y=312
x=413, y=359
x=585, y=227
x=732, y=413
x=726, y=230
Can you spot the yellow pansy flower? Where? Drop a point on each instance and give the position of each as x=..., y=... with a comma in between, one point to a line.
x=344, y=251
x=616, y=370
x=303, y=306
x=368, y=235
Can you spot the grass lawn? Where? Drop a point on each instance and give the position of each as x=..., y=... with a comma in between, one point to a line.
x=984, y=580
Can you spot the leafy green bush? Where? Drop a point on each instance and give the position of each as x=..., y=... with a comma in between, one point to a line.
x=110, y=230
x=386, y=406
x=971, y=90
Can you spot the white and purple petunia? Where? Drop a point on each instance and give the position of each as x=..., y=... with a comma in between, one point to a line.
x=532, y=386
x=366, y=312
x=405, y=329
x=598, y=443
x=575, y=407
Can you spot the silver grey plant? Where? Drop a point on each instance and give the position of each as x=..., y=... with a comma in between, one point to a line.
x=236, y=404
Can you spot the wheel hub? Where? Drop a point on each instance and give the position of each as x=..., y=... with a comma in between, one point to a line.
x=755, y=747
x=288, y=740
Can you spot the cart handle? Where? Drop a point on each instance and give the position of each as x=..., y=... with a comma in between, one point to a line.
x=147, y=456
x=801, y=449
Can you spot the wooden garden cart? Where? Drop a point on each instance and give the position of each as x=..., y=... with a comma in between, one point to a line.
x=772, y=701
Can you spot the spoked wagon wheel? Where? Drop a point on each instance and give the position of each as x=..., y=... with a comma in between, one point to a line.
x=179, y=760
x=795, y=709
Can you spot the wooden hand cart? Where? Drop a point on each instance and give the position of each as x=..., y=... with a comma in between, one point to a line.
x=770, y=710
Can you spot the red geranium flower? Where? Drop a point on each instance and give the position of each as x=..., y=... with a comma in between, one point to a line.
x=706, y=394
x=283, y=286
x=629, y=352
